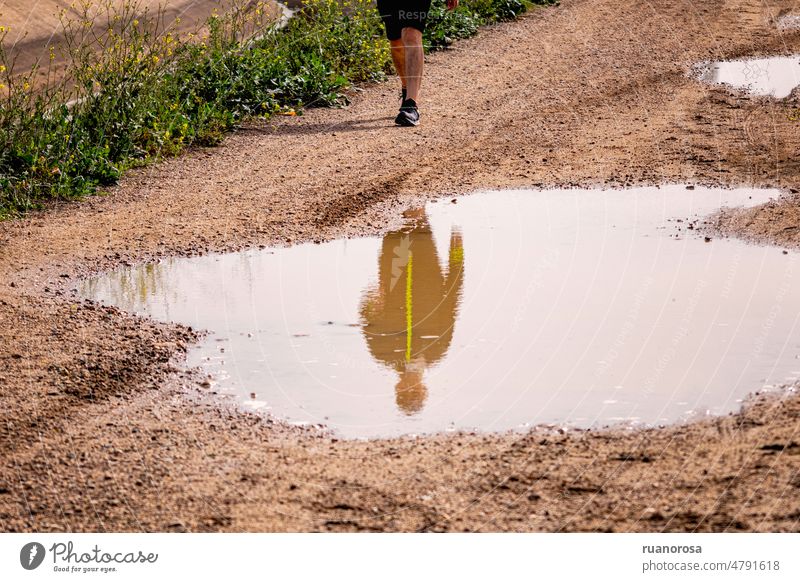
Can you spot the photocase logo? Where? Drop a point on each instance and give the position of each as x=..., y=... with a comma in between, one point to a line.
x=31, y=555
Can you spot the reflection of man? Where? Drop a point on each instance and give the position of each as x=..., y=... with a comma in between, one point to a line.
x=408, y=318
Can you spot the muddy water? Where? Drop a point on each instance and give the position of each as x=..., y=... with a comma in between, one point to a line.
x=775, y=76
x=499, y=311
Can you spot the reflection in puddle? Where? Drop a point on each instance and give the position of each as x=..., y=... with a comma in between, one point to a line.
x=409, y=316
x=775, y=76
x=504, y=310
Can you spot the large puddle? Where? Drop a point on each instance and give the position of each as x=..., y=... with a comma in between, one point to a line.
x=775, y=76
x=499, y=311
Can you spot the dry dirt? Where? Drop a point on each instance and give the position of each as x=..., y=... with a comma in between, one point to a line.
x=102, y=429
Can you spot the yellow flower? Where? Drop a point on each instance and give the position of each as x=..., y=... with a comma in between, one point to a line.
x=136, y=23
x=155, y=59
x=26, y=85
x=2, y=68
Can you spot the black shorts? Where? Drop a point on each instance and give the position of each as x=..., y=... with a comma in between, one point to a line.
x=399, y=14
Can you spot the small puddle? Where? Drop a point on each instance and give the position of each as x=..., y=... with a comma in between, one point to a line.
x=775, y=76
x=789, y=22
x=501, y=311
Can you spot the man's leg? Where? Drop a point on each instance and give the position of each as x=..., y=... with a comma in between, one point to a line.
x=411, y=40
x=399, y=60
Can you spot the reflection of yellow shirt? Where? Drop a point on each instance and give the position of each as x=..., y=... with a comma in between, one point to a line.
x=408, y=318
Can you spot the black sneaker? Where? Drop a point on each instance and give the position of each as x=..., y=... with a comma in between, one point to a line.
x=409, y=114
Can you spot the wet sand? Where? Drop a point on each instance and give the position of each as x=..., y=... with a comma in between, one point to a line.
x=103, y=428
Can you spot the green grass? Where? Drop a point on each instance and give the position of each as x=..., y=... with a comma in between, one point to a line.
x=139, y=91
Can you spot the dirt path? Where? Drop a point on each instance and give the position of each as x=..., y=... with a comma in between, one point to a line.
x=102, y=429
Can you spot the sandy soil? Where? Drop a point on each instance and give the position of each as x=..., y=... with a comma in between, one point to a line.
x=102, y=428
